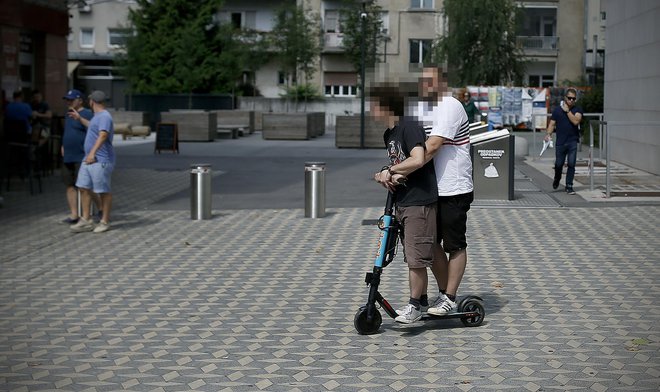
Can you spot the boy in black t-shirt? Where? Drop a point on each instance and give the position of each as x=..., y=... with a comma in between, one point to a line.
x=416, y=199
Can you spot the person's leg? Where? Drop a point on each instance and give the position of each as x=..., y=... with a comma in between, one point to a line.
x=454, y=227
x=560, y=157
x=106, y=204
x=418, y=281
x=419, y=238
x=572, y=158
x=457, y=264
x=85, y=200
x=72, y=201
x=440, y=267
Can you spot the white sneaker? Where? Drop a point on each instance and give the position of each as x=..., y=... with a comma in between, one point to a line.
x=424, y=308
x=82, y=226
x=437, y=301
x=410, y=315
x=102, y=227
x=447, y=306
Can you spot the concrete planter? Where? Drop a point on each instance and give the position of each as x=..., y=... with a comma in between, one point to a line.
x=347, y=132
x=193, y=125
x=293, y=126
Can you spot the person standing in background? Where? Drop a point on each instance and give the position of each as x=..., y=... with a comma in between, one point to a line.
x=73, y=152
x=565, y=119
x=96, y=168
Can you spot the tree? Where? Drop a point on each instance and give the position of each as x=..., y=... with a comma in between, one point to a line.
x=178, y=46
x=297, y=41
x=351, y=27
x=480, y=48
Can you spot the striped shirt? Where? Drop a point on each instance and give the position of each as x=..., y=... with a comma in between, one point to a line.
x=453, y=165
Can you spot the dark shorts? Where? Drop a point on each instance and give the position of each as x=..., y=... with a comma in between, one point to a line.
x=452, y=221
x=418, y=234
x=70, y=173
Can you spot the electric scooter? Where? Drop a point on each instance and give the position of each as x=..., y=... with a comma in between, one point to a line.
x=368, y=318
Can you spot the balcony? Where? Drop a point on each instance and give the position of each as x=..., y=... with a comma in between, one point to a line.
x=538, y=45
x=332, y=42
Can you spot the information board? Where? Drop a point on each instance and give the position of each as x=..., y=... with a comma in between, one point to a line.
x=167, y=137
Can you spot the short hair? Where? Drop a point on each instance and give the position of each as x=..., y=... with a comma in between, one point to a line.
x=394, y=97
x=571, y=89
x=17, y=94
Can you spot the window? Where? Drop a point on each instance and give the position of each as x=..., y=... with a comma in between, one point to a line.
x=281, y=77
x=332, y=21
x=117, y=37
x=419, y=49
x=340, y=90
x=421, y=4
x=86, y=37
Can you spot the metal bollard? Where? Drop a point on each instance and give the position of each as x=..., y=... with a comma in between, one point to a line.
x=314, y=189
x=200, y=191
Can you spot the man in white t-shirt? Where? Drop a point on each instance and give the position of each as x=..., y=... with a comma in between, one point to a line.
x=449, y=146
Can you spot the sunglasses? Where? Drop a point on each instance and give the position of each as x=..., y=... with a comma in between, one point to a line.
x=571, y=98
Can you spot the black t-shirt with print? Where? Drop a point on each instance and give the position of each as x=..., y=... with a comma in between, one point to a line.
x=421, y=187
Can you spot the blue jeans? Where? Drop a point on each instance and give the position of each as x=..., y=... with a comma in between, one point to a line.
x=561, y=153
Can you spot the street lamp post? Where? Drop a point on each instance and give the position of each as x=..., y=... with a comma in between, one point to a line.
x=363, y=20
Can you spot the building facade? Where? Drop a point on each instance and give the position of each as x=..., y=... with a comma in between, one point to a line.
x=98, y=29
x=632, y=82
x=33, y=45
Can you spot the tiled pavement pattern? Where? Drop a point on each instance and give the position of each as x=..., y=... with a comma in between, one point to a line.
x=264, y=299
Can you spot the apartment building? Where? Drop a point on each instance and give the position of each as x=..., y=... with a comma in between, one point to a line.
x=97, y=31
x=559, y=39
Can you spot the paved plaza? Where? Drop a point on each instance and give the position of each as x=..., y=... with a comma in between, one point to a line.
x=259, y=298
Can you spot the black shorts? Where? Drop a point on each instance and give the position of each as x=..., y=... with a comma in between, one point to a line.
x=70, y=173
x=452, y=221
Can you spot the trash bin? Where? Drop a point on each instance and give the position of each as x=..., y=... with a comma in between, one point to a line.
x=314, y=189
x=200, y=191
x=493, y=161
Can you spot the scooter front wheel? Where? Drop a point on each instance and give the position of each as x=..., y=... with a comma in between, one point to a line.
x=365, y=326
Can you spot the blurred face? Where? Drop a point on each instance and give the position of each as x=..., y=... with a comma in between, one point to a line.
x=432, y=85
x=75, y=103
x=37, y=97
x=466, y=97
x=378, y=112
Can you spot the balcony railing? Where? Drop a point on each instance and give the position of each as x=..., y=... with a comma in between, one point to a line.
x=333, y=40
x=538, y=43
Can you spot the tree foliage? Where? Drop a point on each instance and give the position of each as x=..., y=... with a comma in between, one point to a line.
x=178, y=47
x=296, y=39
x=351, y=26
x=480, y=47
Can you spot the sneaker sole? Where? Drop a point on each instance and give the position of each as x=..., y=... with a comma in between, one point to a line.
x=406, y=321
x=439, y=312
x=82, y=229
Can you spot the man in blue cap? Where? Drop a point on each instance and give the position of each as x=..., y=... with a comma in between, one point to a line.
x=73, y=151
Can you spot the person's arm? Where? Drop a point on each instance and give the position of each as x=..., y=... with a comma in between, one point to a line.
x=74, y=114
x=551, y=128
x=574, y=118
x=391, y=177
x=91, y=157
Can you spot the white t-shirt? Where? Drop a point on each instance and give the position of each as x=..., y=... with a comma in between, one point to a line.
x=453, y=165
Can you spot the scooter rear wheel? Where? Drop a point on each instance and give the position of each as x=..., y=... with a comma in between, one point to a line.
x=476, y=306
x=364, y=326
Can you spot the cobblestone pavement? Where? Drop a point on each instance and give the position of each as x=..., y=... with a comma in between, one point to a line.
x=264, y=299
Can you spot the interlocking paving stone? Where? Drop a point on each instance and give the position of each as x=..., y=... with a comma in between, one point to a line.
x=265, y=299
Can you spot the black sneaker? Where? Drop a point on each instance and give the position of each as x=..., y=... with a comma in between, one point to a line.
x=555, y=184
x=570, y=190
